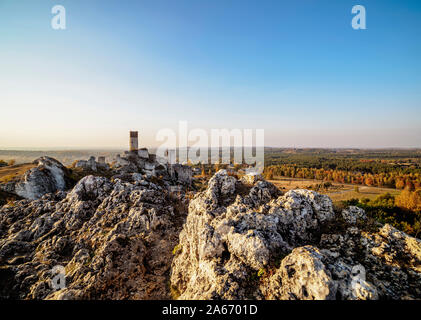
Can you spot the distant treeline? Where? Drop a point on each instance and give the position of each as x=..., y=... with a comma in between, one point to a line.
x=400, y=169
x=380, y=168
x=394, y=179
x=364, y=162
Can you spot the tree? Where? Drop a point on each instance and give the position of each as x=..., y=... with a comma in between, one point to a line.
x=400, y=184
x=369, y=181
x=410, y=200
x=409, y=185
x=269, y=174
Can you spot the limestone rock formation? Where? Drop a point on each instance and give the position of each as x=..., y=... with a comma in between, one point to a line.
x=353, y=214
x=261, y=245
x=302, y=275
x=251, y=179
x=113, y=240
x=141, y=161
x=48, y=176
x=130, y=237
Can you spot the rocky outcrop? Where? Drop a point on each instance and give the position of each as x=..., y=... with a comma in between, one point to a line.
x=353, y=214
x=309, y=273
x=131, y=238
x=302, y=275
x=242, y=243
x=143, y=162
x=251, y=179
x=48, y=176
x=111, y=240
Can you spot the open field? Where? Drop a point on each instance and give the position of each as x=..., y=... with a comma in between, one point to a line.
x=337, y=192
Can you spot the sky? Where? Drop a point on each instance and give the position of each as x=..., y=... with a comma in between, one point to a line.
x=296, y=69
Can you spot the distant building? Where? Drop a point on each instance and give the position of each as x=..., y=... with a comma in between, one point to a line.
x=134, y=142
x=148, y=164
x=171, y=156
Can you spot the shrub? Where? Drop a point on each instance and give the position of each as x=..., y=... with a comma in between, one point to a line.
x=410, y=200
x=399, y=211
x=177, y=249
x=261, y=273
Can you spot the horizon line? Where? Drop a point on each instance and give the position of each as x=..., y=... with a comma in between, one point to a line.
x=74, y=148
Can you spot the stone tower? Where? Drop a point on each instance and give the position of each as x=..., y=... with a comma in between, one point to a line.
x=171, y=156
x=134, y=142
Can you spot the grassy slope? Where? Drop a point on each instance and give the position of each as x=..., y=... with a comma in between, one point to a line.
x=10, y=172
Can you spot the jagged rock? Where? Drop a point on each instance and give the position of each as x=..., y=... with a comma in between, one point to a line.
x=301, y=213
x=143, y=153
x=221, y=188
x=389, y=258
x=353, y=214
x=360, y=289
x=141, y=161
x=117, y=239
x=48, y=176
x=223, y=231
x=251, y=178
x=114, y=240
x=261, y=193
x=394, y=245
x=231, y=237
x=301, y=276
x=90, y=188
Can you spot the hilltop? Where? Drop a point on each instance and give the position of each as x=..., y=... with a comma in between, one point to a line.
x=131, y=231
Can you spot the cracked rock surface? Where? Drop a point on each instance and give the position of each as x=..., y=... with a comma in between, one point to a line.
x=263, y=245
x=238, y=239
x=113, y=239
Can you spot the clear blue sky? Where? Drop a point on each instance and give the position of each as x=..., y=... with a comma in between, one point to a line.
x=294, y=68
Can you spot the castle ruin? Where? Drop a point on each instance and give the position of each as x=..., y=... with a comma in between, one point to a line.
x=134, y=141
x=150, y=165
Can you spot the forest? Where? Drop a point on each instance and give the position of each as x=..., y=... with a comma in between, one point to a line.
x=387, y=168
x=397, y=169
